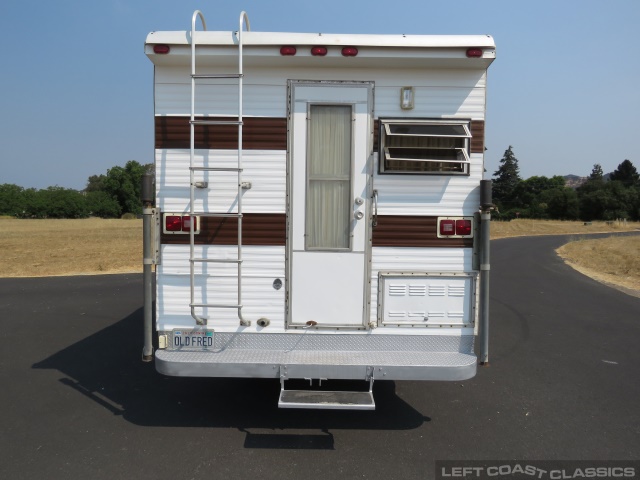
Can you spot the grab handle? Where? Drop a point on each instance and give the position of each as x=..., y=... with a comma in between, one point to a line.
x=375, y=208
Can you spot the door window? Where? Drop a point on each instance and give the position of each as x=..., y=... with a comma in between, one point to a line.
x=328, y=210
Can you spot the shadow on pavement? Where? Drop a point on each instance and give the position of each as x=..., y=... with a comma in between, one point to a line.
x=106, y=368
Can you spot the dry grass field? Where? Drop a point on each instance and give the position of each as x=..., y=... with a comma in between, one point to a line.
x=614, y=260
x=37, y=248
x=527, y=227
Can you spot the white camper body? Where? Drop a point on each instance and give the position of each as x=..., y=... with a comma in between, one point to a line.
x=317, y=208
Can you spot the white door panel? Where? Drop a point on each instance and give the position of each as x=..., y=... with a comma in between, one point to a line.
x=329, y=206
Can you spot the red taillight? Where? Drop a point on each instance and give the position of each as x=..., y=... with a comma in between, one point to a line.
x=161, y=49
x=186, y=224
x=455, y=227
x=180, y=224
x=349, y=51
x=463, y=227
x=474, y=52
x=318, y=51
x=173, y=223
x=447, y=227
x=288, y=50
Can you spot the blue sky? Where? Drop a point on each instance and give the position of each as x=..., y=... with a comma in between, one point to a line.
x=76, y=88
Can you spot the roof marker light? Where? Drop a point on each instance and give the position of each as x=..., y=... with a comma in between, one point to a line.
x=318, y=51
x=288, y=50
x=349, y=51
x=161, y=49
x=474, y=52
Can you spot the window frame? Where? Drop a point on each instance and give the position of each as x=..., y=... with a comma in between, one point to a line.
x=385, y=151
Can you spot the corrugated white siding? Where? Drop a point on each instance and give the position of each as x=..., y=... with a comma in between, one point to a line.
x=265, y=169
x=448, y=93
x=432, y=101
x=218, y=284
x=262, y=265
x=259, y=100
x=439, y=195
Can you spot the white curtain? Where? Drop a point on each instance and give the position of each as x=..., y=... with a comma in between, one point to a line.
x=329, y=206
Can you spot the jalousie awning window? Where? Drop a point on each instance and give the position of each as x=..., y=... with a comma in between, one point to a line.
x=424, y=147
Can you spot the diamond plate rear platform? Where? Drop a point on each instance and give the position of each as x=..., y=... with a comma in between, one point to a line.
x=338, y=356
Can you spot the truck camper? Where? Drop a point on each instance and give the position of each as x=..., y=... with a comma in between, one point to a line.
x=319, y=210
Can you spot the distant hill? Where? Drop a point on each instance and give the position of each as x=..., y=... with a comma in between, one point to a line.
x=574, y=181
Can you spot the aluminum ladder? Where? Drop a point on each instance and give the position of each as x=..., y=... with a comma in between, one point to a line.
x=193, y=260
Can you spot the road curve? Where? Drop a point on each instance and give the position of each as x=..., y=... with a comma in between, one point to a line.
x=78, y=403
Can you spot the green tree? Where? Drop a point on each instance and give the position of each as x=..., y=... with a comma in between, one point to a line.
x=606, y=201
x=596, y=173
x=59, y=202
x=95, y=183
x=529, y=194
x=626, y=173
x=11, y=199
x=506, y=180
x=124, y=184
x=101, y=204
x=33, y=204
x=562, y=203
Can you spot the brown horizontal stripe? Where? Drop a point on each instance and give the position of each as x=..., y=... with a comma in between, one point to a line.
x=257, y=229
x=412, y=231
x=477, y=136
x=376, y=135
x=270, y=229
x=257, y=133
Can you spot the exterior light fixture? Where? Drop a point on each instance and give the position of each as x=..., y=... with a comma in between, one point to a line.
x=406, y=98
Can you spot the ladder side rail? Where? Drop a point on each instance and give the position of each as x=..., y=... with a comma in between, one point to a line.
x=244, y=19
x=199, y=320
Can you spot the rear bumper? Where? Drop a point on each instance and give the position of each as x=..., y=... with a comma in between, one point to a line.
x=388, y=357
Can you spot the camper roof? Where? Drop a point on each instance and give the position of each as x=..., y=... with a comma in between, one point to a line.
x=263, y=48
x=281, y=38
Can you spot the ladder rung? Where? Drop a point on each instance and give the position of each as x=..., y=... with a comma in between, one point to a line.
x=218, y=214
x=217, y=75
x=214, y=305
x=213, y=260
x=215, y=169
x=216, y=122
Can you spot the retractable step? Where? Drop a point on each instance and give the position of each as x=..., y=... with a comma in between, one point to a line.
x=326, y=400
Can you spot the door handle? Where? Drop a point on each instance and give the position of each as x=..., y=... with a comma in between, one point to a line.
x=375, y=208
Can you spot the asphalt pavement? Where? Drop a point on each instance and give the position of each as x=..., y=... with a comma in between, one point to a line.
x=77, y=402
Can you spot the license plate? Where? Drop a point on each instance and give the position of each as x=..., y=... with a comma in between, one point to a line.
x=192, y=339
